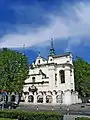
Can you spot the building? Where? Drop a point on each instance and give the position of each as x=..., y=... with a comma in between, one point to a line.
x=51, y=80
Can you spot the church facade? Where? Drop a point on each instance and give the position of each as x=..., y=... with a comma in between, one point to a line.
x=51, y=80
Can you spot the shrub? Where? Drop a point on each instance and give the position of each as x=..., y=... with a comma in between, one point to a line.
x=82, y=118
x=26, y=115
x=6, y=119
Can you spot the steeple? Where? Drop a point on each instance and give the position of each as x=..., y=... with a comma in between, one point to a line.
x=52, y=48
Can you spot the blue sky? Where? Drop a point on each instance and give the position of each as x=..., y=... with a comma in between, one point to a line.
x=35, y=22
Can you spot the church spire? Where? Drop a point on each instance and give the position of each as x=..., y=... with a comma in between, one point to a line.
x=39, y=54
x=52, y=48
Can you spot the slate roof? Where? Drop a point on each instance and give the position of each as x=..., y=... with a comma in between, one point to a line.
x=62, y=55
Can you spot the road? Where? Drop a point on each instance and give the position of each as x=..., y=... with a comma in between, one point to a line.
x=78, y=109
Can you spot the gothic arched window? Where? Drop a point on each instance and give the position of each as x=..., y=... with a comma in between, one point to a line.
x=62, y=76
x=55, y=78
x=39, y=61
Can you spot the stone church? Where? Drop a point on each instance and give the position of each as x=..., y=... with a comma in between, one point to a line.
x=51, y=80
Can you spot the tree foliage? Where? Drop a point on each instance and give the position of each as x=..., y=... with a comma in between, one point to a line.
x=82, y=76
x=13, y=70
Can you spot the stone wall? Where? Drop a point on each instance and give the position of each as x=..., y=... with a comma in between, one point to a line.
x=53, y=97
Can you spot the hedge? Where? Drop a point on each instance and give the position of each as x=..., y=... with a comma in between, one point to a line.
x=6, y=119
x=27, y=115
x=82, y=118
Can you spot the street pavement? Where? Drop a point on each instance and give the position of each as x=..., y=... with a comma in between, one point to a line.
x=77, y=109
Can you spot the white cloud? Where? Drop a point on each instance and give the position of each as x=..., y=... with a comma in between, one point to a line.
x=76, y=23
x=72, y=43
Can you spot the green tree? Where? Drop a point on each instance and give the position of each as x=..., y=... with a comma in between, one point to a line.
x=82, y=77
x=13, y=70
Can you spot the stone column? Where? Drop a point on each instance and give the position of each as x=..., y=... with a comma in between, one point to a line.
x=54, y=98
x=72, y=81
x=76, y=96
x=23, y=97
x=17, y=98
x=51, y=77
x=73, y=98
x=44, y=99
x=67, y=78
x=35, y=98
x=26, y=99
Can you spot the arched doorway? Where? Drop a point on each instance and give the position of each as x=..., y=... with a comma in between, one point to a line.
x=40, y=99
x=30, y=98
x=59, y=98
x=48, y=99
x=13, y=98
